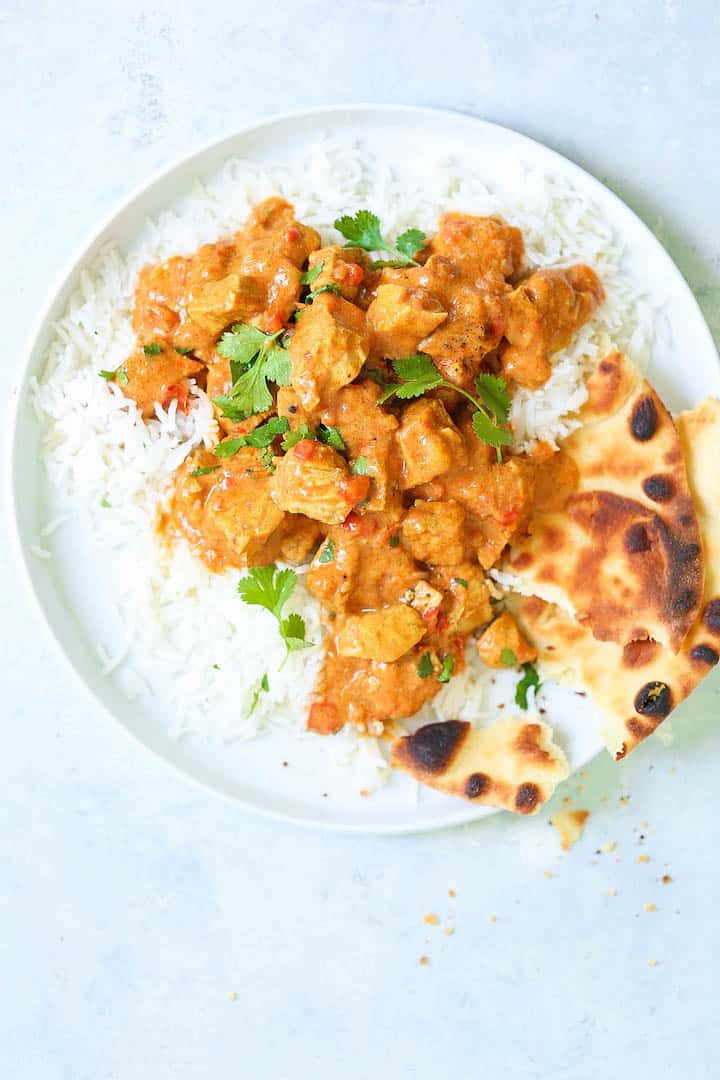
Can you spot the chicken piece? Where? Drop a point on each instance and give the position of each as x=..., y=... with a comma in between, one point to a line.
x=466, y=598
x=233, y=298
x=429, y=442
x=542, y=315
x=272, y=225
x=501, y=639
x=314, y=480
x=227, y=515
x=426, y=600
x=503, y=492
x=342, y=267
x=156, y=379
x=328, y=349
x=383, y=635
x=433, y=532
x=486, y=249
x=289, y=408
x=369, y=433
x=292, y=542
x=362, y=691
x=556, y=478
x=400, y=317
x=474, y=328
x=475, y=318
x=365, y=572
x=158, y=295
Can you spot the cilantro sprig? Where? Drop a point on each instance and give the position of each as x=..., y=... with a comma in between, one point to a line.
x=418, y=374
x=268, y=587
x=261, y=438
x=530, y=679
x=255, y=360
x=364, y=230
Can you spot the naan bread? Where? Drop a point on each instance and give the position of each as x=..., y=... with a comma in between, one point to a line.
x=638, y=685
x=624, y=555
x=512, y=764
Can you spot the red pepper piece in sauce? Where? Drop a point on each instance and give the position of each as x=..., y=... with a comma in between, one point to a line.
x=177, y=392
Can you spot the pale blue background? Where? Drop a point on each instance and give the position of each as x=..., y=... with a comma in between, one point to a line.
x=132, y=905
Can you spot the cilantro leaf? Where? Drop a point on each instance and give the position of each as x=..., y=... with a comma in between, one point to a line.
x=312, y=274
x=205, y=471
x=410, y=242
x=260, y=438
x=122, y=375
x=448, y=666
x=330, y=436
x=323, y=288
x=109, y=375
x=263, y=687
x=292, y=631
x=493, y=394
x=267, y=432
x=268, y=587
x=255, y=358
x=394, y=540
x=294, y=437
x=105, y=504
x=229, y=448
x=277, y=366
x=530, y=679
x=488, y=431
x=241, y=344
x=153, y=349
x=182, y=350
x=425, y=667
x=361, y=466
x=328, y=553
x=418, y=374
x=461, y=581
x=508, y=658
x=363, y=230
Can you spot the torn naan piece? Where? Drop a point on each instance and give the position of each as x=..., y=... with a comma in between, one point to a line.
x=624, y=554
x=638, y=685
x=513, y=764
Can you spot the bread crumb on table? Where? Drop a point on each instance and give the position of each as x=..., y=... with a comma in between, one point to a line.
x=643, y=858
x=492, y=918
x=612, y=891
x=570, y=825
x=232, y=996
x=608, y=847
x=652, y=963
x=548, y=873
x=431, y=919
x=666, y=879
x=451, y=893
x=449, y=931
x=649, y=907
x=424, y=961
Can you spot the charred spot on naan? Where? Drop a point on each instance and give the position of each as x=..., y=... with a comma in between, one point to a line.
x=644, y=419
x=705, y=654
x=433, y=748
x=658, y=487
x=511, y=764
x=660, y=567
x=711, y=616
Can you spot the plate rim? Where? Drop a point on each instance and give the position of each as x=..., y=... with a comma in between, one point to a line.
x=464, y=814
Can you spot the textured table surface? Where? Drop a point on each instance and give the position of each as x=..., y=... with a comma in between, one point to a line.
x=149, y=930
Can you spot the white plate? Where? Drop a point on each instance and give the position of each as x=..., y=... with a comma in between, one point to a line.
x=684, y=369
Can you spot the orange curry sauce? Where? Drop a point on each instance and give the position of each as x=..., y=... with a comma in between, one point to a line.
x=402, y=523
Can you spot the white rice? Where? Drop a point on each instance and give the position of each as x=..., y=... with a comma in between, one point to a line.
x=186, y=629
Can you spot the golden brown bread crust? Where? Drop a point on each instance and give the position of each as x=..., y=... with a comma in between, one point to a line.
x=513, y=764
x=638, y=685
x=625, y=553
